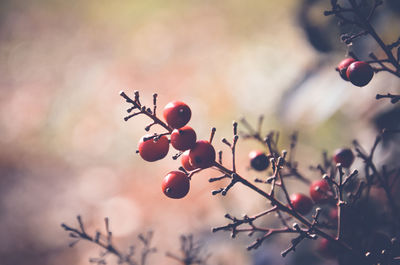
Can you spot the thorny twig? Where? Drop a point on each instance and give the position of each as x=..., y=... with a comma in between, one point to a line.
x=381, y=177
x=191, y=252
x=355, y=15
x=308, y=229
x=105, y=242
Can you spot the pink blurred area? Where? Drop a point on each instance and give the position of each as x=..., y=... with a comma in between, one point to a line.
x=66, y=150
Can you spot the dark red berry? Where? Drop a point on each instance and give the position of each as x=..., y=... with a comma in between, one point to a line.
x=202, y=155
x=186, y=161
x=177, y=114
x=359, y=73
x=153, y=150
x=176, y=184
x=342, y=67
x=344, y=156
x=183, y=139
x=258, y=160
x=327, y=249
x=301, y=203
x=320, y=191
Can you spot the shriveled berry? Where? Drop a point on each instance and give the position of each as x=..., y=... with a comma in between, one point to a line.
x=176, y=184
x=202, y=155
x=152, y=150
x=344, y=156
x=359, y=73
x=342, y=67
x=177, y=114
x=186, y=161
x=301, y=203
x=183, y=138
x=320, y=191
x=258, y=160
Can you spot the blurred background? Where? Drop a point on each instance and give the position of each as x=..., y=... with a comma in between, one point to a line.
x=66, y=150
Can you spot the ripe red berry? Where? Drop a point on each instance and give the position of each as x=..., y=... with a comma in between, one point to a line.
x=258, y=160
x=153, y=150
x=320, y=191
x=344, y=156
x=342, y=67
x=301, y=203
x=183, y=139
x=177, y=114
x=186, y=161
x=359, y=73
x=176, y=184
x=202, y=155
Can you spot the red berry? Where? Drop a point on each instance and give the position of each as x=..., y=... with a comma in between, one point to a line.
x=359, y=73
x=342, y=67
x=344, y=156
x=177, y=114
x=301, y=203
x=183, y=139
x=202, y=155
x=258, y=160
x=176, y=184
x=153, y=150
x=186, y=161
x=320, y=191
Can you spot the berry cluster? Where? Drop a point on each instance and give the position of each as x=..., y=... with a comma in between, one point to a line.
x=195, y=154
x=321, y=191
x=337, y=195
x=359, y=73
x=358, y=16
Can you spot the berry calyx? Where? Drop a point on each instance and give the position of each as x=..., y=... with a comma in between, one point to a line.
x=258, y=160
x=202, y=155
x=176, y=185
x=301, y=203
x=359, y=73
x=153, y=149
x=344, y=156
x=342, y=67
x=185, y=161
x=177, y=114
x=320, y=191
x=183, y=138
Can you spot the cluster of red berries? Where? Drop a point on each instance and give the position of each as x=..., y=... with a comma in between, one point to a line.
x=359, y=73
x=196, y=154
x=320, y=190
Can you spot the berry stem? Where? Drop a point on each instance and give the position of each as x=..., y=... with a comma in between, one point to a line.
x=393, y=98
x=364, y=23
x=279, y=205
x=383, y=183
x=143, y=110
